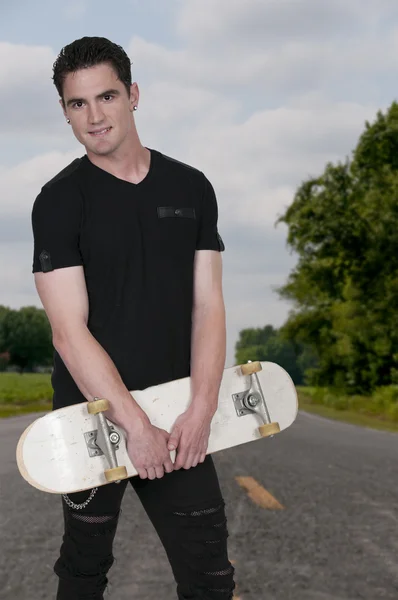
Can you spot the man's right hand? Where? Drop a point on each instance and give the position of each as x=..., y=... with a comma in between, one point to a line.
x=147, y=449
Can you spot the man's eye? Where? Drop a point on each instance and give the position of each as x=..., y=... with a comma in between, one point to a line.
x=74, y=104
x=108, y=96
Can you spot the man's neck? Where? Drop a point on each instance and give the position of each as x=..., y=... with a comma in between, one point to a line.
x=130, y=164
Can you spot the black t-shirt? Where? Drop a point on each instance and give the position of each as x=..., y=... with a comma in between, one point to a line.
x=136, y=243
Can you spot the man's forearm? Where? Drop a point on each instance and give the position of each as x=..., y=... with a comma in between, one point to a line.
x=208, y=350
x=95, y=374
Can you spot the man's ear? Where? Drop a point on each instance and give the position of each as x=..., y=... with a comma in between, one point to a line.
x=134, y=95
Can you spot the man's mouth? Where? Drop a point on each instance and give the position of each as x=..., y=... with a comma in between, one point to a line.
x=100, y=131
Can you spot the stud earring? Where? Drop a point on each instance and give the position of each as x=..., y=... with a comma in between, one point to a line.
x=68, y=120
x=135, y=107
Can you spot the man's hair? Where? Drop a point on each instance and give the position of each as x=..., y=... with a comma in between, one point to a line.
x=88, y=52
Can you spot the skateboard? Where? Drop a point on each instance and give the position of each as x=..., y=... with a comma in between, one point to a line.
x=77, y=448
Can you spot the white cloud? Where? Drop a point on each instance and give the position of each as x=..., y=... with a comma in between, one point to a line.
x=263, y=22
x=74, y=10
x=17, y=282
x=28, y=98
x=20, y=184
x=193, y=67
x=21, y=65
x=260, y=20
x=253, y=43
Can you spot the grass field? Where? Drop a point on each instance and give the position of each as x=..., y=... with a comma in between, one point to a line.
x=30, y=393
x=348, y=417
x=21, y=394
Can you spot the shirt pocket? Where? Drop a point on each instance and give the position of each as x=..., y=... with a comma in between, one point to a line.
x=177, y=228
x=172, y=212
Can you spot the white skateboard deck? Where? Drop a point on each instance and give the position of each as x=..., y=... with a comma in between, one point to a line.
x=53, y=456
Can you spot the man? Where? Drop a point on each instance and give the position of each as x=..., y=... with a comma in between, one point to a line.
x=128, y=267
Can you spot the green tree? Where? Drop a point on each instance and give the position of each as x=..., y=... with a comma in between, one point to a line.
x=267, y=344
x=343, y=225
x=4, y=310
x=27, y=337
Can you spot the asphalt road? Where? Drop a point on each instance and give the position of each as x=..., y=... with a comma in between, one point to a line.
x=335, y=539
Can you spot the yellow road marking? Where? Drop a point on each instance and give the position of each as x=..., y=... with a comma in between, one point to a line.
x=258, y=494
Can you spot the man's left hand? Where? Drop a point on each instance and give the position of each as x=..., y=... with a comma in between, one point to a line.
x=190, y=436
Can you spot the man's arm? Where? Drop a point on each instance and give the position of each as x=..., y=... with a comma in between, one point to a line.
x=190, y=433
x=208, y=346
x=64, y=296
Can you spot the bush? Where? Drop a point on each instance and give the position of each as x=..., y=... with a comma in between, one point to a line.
x=383, y=403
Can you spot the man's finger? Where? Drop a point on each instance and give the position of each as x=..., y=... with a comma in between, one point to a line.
x=172, y=445
x=174, y=439
x=189, y=461
x=159, y=471
x=179, y=463
x=151, y=473
x=142, y=473
x=202, y=457
x=168, y=466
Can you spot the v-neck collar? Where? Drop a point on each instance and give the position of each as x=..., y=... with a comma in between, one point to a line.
x=108, y=175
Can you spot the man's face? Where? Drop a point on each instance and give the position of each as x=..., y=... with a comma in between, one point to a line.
x=96, y=100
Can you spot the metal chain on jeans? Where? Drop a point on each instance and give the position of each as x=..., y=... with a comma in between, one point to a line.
x=83, y=504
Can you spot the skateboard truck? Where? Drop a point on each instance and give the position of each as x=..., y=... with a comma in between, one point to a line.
x=253, y=400
x=104, y=441
x=95, y=443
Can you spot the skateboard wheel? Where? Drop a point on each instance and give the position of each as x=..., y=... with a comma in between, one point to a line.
x=115, y=474
x=97, y=406
x=269, y=429
x=249, y=368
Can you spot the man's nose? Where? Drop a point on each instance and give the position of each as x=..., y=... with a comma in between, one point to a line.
x=95, y=114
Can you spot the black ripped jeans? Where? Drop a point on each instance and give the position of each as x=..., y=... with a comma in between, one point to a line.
x=187, y=510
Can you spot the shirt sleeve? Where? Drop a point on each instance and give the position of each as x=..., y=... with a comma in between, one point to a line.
x=56, y=218
x=208, y=236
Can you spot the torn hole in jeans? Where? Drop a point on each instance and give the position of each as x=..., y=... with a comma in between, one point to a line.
x=199, y=513
x=92, y=518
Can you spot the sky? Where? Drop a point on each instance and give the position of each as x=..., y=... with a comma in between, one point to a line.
x=258, y=94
